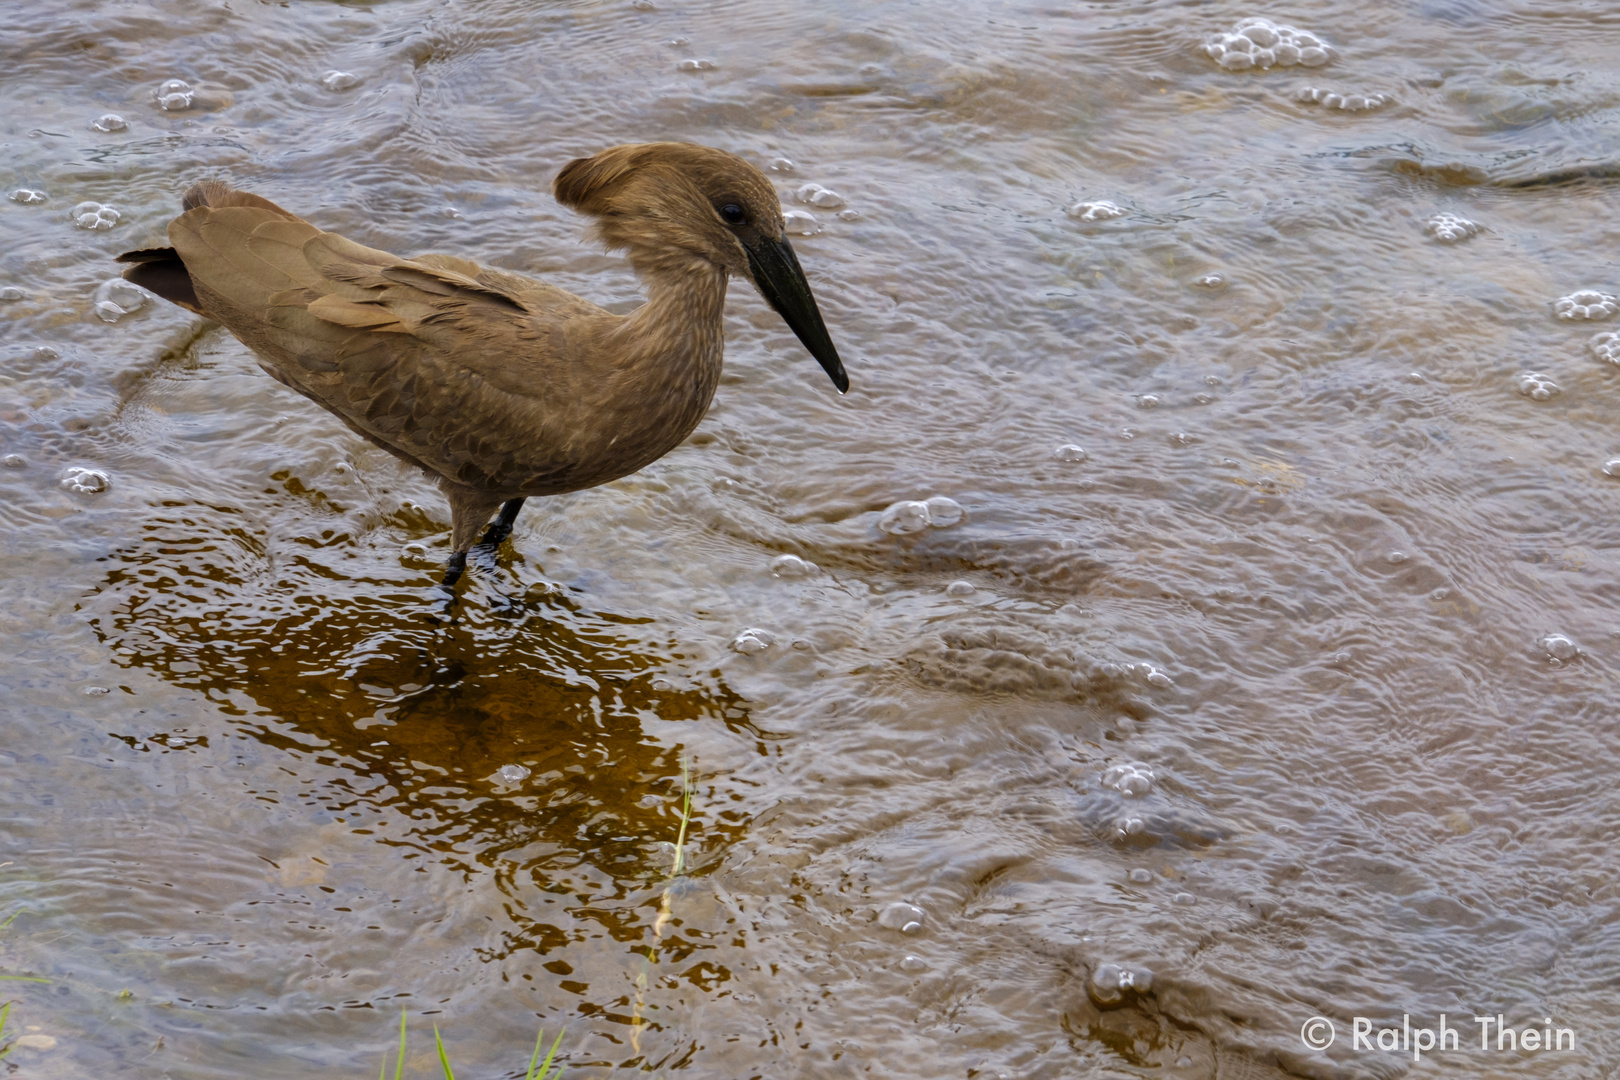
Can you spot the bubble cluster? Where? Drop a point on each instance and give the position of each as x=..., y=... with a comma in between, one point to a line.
x=1262, y=44
x=912, y=516
x=108, y=122
x=791, y=566
x=818, y=196
x=1560, y=647
x=901, y=916
x=696, y=65
x=340, y=80
x=1094, y=211
x=1450, y=228
x=1130, y=826
x=28, y=196
x=11, y=292
x=1533, y=384
x=1148, y=401
x=86, y=481
x=94, y=215
x=800, y=223
x=1070, y=452
x=753, y=640
x=175, y=95
x=1312, y=95
x=1585, y=304
x=1132, y=779
x=116, y=298
x=512, y=774
x=1606, y=346
x=1110, y=982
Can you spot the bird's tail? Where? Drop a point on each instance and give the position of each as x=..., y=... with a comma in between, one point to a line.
x=162, y=271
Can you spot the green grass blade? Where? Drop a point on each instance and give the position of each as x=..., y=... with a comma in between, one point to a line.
x=545, y=1066
x=545, y=1072
x=399, y=1070
x=4, y=1013
x=444, y=1059
x=24, y=978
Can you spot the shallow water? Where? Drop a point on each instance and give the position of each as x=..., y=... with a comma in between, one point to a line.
x=1270, y=669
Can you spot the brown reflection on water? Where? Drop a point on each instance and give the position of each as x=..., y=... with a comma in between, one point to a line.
x=421, y=713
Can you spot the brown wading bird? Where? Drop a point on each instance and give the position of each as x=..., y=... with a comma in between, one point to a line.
x=498, y=385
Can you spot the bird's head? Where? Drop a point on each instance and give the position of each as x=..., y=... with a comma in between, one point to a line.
x=671, y=203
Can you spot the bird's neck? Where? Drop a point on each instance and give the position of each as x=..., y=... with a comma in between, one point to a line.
x=676, y=338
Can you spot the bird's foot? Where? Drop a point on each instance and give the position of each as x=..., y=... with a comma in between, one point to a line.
x=495, y=535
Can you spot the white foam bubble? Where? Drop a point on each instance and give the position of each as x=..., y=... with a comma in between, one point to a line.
x=11, y=292
x=1450, y=228
x=340, y=80
x=913, y=965
x=1148, y=401
x=943, y=511
x=1185, y=899
x=1260, y=44
x=512, y=774
x=116, y=298
x=14, y=461
x=902, y=518
x=800, y=223
x=94, y=216
x=1533, y=384
x=1560, y=647
x=1110, y=981
x=27, y=196
x=696, y=65
x=819, y=197
x=174, y=95
x=86, y=481
x=1606, y=346
x=1610, y=467
x=1141, y=875
x=108, y=122
x=783, y=165
x=1132, y=779
x=1211, y=281
x=1329, y=99
x=901, y=916
x=753, y=640
x=1070, y=452
x=913, y=516
x=1094, y=211
x=791, y=566
x=1585, y=304
x=960, y=588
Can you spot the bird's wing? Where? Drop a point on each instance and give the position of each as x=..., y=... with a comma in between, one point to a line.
x=436, y=358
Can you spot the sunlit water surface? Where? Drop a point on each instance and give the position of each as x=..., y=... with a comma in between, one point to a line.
x=1269, y=673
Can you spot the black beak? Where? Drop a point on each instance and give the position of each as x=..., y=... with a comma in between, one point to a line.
x=780, y=280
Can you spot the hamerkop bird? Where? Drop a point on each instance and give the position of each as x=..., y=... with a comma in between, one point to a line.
x=498, y=385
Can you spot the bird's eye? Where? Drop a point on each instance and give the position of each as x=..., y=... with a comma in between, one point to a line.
x=733, y=214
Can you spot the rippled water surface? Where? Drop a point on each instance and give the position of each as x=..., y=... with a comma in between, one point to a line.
x=1268, y=671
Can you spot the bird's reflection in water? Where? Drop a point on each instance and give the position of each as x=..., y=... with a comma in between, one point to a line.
x=420, y=717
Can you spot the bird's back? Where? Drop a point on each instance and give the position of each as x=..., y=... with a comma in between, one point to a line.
x=490, y=379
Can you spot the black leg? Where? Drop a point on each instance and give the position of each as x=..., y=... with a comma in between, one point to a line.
x=453, y=568
x=501, y=527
